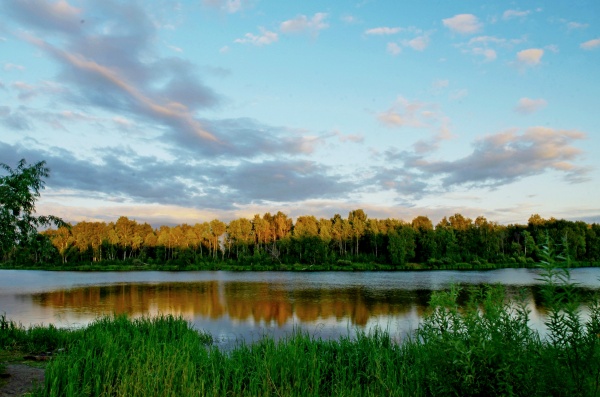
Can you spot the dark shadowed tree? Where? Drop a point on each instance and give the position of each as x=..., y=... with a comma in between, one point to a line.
x=19, y=189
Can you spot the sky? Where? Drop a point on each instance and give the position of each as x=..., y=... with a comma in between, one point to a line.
x=172, y=112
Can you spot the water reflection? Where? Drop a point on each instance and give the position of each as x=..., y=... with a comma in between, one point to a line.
x=247, y=305
x=240, y=301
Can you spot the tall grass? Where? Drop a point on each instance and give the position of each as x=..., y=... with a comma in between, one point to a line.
x=484, y=347
x=573, y=344
x=34, y=340
x=122, y=357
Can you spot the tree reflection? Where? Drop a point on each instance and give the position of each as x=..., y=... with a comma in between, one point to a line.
x=241, y=301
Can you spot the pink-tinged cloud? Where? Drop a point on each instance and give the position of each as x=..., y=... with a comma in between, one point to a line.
x=530, y=57
x=52, y=16
x=590, y=44
x=463, y=24
x=529, y=106
x=506, y=157
x=355, y=138
x=265, y=38
x=174, y=111
x=403, y=113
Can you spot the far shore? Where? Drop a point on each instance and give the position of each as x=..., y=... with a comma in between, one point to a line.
x=344, y=266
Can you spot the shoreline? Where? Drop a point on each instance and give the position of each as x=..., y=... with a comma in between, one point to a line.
x=346, y=267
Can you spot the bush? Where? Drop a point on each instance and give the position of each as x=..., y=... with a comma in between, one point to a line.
x=476, y=352
x=344, y=262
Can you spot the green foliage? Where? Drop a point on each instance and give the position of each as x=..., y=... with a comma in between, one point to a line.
x=574, y=343
x=401, y=245
x=483, y=348
x=36, y=339
x=19, y=189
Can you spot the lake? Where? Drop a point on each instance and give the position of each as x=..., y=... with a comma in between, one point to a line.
x=246, y=305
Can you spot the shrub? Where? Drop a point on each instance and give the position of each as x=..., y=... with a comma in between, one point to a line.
x=344, y=262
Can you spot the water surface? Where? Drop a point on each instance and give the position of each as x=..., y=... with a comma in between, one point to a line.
x=246, y=305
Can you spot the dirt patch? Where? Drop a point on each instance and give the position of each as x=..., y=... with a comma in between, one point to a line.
x=21, y=379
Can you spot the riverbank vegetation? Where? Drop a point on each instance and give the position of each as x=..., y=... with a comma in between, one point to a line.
x=483, y=346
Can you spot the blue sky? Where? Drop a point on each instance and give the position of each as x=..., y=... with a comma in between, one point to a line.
x=184, y=111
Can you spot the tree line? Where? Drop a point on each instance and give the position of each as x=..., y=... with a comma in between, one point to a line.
x=308, y=240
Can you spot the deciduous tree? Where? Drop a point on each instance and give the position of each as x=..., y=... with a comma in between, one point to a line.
x=19, y=189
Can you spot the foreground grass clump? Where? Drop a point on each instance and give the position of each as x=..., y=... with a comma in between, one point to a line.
x=117, y=356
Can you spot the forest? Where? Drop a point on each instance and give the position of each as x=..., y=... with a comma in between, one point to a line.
x=276, y=240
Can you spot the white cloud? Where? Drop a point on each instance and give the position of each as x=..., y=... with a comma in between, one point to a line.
x=591, y=44
x=174, y=48
x=384, y=30
x=122, y=122
x=394, y=48
x=488, y=40
x=509, y=14
x=349, y=19
x=439, y=84
x=418, y=43
x=302, y=24
x=354, y=138
x=530, y=57
x=488, y=54
x=528, y=105
x=457, y=95
x=229, y=6
x=576, y=25
x=28, y=91
x=12, y=66
x=265, y=38
x=463, y=24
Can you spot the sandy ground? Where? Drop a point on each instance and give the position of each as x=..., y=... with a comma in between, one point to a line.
x=22, y=379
